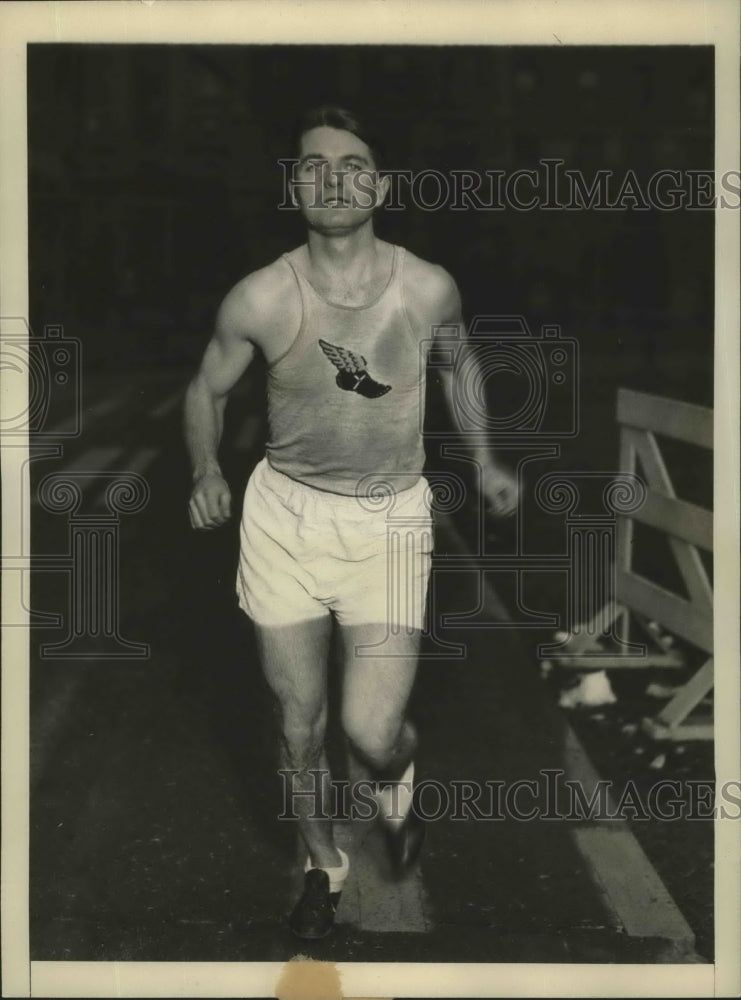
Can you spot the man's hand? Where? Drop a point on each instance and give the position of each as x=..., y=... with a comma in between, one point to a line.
x=210, y=502
x=499, y=489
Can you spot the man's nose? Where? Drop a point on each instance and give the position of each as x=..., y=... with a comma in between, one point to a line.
x=331, y=177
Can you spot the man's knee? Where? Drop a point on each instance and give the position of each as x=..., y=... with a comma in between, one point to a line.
x=374, y=736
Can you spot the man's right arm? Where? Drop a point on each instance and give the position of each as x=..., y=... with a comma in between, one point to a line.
x=226, y=358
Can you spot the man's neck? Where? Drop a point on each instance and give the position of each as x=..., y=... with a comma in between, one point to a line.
x=343, y=256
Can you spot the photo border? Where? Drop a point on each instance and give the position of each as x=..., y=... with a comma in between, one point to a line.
x=408, y=22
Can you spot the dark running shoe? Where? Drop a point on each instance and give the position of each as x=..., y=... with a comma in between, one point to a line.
x=404, y=842
x=313, y=915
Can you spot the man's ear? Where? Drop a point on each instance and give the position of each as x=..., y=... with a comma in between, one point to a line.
x=292, y=194
x=382, y=187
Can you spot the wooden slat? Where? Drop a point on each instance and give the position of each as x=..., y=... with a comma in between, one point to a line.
x=674, y=613
x=671, y=417
x=609, y=660
x=688, y=558
x=624, y=531
x=688, y=697
x=678, y=518
x=679, y=734
x=584, y=636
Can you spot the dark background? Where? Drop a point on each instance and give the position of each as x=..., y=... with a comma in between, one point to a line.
x=154, y=185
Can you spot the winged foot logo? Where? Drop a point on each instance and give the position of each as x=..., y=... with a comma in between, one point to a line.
x=351, y=372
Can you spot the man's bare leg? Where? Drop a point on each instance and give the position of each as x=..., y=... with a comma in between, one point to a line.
x=378, y=678
x=376, y=688
x=294, y=661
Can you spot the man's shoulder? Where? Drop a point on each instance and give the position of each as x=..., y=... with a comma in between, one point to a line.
x=433, y=277
x=429, y=286
x=266, y=287
x=263, y=299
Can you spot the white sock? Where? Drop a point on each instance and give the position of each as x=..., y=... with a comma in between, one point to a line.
x=395, y=799
x=337, y=874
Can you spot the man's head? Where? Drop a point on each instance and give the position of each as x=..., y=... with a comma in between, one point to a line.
x=333, y=116
x=336, y=182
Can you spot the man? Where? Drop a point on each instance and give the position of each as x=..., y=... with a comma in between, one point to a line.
x=340, y=322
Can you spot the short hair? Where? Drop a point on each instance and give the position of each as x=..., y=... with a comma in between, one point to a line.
x=334, y=116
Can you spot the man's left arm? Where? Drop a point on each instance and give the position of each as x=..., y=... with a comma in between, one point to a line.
x=498, y=484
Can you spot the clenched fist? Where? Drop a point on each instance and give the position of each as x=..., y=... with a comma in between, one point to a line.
x=500, y=489
x=210, y=502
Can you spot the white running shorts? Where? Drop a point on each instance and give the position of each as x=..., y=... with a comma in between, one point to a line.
x=305, y=553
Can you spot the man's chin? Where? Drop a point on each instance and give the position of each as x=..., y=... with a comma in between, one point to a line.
x=336, y=223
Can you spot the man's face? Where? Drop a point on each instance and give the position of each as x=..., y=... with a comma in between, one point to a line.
x=335, y=184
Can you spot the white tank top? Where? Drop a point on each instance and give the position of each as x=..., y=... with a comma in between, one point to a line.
x=346, y=400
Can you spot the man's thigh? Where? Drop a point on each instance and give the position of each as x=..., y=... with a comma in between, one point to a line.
x=379, y=670
x=294, y=662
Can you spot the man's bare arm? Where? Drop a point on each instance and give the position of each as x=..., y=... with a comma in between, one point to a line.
x=498, y=485
x=451, y=314
x=226, y=358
